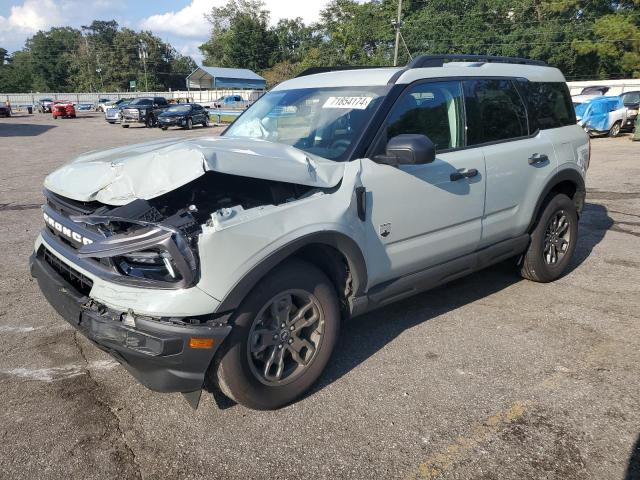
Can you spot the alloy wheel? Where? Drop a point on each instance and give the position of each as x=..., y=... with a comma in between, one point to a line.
x=556, y=238
x=285, y=337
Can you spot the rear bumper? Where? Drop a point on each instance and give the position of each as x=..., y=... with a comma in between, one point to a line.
x=155, y=351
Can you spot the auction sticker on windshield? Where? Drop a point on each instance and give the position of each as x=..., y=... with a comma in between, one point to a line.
x=352, y=103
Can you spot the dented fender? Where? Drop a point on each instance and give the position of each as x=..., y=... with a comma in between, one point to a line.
x=231, y=253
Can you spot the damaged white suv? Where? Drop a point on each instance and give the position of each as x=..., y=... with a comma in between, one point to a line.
x=230, y=261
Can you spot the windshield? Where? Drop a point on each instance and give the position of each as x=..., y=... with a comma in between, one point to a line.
x=141, y=101
x=322, y=121
x=179, y=109
x=631, y=98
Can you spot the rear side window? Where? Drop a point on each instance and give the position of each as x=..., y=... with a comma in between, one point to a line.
x=495, y=111
x=549, y=104
x=433, y=109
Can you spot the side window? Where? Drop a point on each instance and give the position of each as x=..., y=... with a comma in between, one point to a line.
x=433, y=109
x=494, y=111
x=549, y=104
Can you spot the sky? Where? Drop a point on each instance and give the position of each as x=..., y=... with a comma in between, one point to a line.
x=180, y=22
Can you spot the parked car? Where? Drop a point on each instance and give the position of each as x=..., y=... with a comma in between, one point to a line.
x=184, y=115
x=143, y=110
x=595, y=90
x=102, y=104
x=113, y=113
x=63, y=108
x=84, y=106
x=181, y=100
x=231, y=101
x=5, y=109
x=44, y=105
x=631, y=101
x=602, y=116
x=234, y=259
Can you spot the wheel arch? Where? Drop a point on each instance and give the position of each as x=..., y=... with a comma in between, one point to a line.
x=334, y=253
x=567, y=181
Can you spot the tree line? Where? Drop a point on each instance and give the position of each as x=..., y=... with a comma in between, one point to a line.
x=97, y=57
x=586, y=39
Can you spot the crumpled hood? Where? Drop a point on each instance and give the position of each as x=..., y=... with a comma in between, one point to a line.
x=147, y=170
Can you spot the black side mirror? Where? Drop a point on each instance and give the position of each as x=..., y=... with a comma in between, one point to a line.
x=409, y=149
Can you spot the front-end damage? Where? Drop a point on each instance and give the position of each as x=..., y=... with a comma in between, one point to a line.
x=144, y=272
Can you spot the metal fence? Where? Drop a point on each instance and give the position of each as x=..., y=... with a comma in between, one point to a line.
x=18, y=100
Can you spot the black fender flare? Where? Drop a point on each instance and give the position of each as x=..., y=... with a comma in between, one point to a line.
x=341, y=242
x=568, y=174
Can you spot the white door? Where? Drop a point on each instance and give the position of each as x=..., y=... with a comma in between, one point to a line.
x=424, y=215
x=517, y=166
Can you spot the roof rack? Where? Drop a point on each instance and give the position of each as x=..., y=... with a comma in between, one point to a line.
x=439, y=60
x=314, y=70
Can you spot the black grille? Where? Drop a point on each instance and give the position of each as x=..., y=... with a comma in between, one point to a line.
x=81, y=283
x=67, y=206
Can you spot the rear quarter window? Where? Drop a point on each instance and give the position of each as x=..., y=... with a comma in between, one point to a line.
x=548, y=103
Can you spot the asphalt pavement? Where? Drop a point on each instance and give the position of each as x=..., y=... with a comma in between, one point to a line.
x=489, y=377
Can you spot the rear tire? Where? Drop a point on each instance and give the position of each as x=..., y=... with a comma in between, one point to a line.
x=283, y=336
x=125, y=125
x=206, y=122
x=553, y=241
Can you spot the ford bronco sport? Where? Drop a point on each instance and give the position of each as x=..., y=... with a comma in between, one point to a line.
x=231, y=261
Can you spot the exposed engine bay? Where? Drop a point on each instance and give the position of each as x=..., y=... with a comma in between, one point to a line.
x=156, y=240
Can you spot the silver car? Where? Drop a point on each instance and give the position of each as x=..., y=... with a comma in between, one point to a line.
x=232, y=260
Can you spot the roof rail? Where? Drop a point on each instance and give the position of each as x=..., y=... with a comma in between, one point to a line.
x=314, y=70
x=439, y=60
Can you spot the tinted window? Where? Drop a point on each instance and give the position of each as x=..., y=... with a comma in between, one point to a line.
x=494, y=111
x=631, y=98
x=549, y=104
x=141, y=101
x=433, y=109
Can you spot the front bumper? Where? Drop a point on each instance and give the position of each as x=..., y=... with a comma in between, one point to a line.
x=156, y=352
x=171, y=122
x=630, y=123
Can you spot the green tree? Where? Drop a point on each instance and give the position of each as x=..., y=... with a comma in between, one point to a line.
x=52, y=54
x=240, y=36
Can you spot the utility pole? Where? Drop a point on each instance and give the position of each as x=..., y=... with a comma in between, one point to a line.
x=397, y=24
x=142, y=53
x=99, y=70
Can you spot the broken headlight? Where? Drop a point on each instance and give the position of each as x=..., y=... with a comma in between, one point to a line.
x=152, y=265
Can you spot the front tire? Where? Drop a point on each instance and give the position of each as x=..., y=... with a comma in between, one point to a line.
x=283, y=336
x=615, y=129
x=553, y=241
x=189, y=125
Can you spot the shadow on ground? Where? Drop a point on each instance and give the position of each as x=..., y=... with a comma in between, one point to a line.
x=633, y=468
x=22, y=129
x=362, y=337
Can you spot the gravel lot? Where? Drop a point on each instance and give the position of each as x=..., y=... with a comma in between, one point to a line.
x=490, y=377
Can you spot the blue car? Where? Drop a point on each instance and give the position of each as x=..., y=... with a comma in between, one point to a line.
x=601, y=115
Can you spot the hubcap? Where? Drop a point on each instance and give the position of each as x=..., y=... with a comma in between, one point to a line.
x=556, y=238
x=285, y=337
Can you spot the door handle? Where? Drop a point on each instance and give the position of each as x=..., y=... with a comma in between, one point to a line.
x=472, y=172
x=537, y=158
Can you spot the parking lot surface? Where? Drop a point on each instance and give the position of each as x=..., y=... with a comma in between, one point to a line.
x=489, y=377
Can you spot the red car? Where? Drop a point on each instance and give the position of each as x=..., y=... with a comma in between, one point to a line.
x=63, y=108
